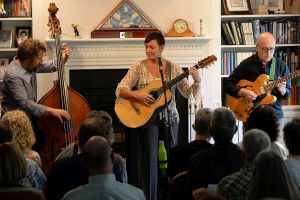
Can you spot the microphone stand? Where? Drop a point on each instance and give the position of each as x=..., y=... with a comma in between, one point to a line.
x=167, y=120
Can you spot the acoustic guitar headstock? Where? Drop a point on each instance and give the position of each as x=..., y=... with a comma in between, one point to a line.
x=206, y=62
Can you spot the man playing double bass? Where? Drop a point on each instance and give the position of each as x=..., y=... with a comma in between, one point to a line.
x=20, y=83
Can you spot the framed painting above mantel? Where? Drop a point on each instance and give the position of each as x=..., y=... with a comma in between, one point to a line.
x=125, y=21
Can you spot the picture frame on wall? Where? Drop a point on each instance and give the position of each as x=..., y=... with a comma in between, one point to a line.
x=275, y=5
x=4, y=62
x=22, y=33
x=235, y=7
x=6, y=38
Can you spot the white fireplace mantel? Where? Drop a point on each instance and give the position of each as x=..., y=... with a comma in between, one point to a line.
x=122, y=53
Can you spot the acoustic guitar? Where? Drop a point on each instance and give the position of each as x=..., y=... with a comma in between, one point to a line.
x=134, y=114
x=262, y=88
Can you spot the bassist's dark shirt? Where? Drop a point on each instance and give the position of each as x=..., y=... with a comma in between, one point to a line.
x=249, y=69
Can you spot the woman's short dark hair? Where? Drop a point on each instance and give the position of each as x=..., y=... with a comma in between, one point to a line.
x=29, y=49
x=292, y=136
x=264, y=118
x=158, y=36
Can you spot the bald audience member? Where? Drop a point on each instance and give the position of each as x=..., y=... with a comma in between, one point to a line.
x=98, y=157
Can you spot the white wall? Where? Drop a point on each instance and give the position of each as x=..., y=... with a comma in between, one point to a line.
x=89, y=13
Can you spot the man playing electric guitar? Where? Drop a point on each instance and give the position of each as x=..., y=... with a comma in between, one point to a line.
x=251, y=68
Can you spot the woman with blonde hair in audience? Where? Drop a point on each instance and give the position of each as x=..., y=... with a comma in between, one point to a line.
x=23, y=133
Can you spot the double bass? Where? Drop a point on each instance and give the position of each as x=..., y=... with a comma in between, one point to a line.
x=57, y=134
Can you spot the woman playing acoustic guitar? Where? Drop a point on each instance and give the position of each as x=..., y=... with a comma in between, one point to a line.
x=141, y=75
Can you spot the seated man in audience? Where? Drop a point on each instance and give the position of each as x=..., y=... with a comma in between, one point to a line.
x=292, y=141
x=264, y=118
x=119, y=165
x=98, y=157
x=209, y=166
x=180, y=155
x=68, y=173
x=236, y=185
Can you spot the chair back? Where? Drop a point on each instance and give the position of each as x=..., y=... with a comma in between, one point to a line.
x=178, y=186
x=21, y=193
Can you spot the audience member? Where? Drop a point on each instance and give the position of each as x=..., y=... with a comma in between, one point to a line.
x=223, y=158
x=119, y=165
x=98, y=157
x=34, y=175
x=292, y=141
x=264, y=118
x=236, y=185
x=12, y=165
x=180, y=155
x=68, y=173
x=271, y=179
x=12, y=170
x=23, y=133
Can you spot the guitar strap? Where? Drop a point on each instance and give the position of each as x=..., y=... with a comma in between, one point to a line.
x=272, y=70
x=169, y=69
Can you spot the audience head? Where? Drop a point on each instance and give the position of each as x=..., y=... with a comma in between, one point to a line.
x=223, y=125
x=5, y=132
x=109, y=135
x=97, y=155
x=91, y=127
x=264, y=118
x=254, y=142
x=202, y=121
x=30, y=49
x=292, y=136
x=21, y=129
x=12, y=164
x=271, y=173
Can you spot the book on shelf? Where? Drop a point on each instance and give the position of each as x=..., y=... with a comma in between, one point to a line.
x=235, y=34
x=256, y=29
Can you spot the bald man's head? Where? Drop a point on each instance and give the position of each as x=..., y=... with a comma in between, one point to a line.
x=96, y=153
x=265, y=47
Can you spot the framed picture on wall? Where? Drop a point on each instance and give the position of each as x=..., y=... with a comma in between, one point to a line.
x=22, y=33
x=232, y=7
x=275, y=5
x=5, y=39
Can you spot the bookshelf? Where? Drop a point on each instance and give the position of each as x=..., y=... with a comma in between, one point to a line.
x=239, y=34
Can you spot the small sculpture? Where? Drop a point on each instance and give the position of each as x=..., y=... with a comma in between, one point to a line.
x=201, y=29
x=53, y=22
x=76, y=32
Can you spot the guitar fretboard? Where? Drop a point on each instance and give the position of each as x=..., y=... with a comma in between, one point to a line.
x=200, y=64
x=288, y=77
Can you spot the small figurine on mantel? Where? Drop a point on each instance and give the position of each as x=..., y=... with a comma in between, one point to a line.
x=76, y=32
x=53, y=21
